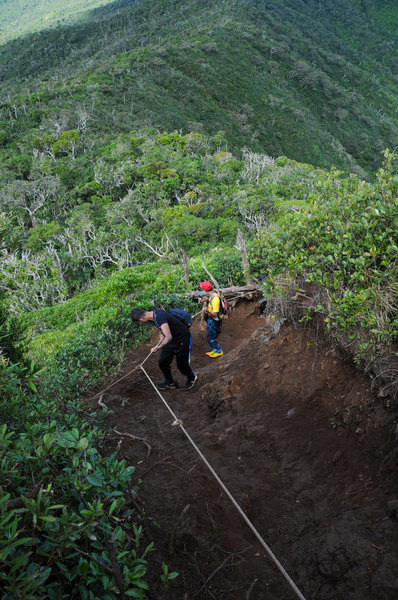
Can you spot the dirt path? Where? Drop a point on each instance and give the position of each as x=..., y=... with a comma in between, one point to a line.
x=301, y=443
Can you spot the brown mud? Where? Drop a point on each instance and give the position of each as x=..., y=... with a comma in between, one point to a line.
x=296, y=434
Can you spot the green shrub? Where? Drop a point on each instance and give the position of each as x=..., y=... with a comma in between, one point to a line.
x=345, y=242
x=16, y=381
x=226, y=266
x=63, y=519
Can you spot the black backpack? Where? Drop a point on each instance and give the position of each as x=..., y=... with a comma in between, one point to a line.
x=182, y=315
x=225, y=307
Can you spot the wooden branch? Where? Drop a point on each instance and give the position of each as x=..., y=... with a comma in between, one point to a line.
x=135, y=437
x=245, y=262
x=154, y=465
x=98, y=562
x=215, y=283
x=171, y=542
x=19, y=502
x=229, y=292
x=186, y=272
x=102, y=405
x=214, y=573
x=249, y=591
x=115, y=567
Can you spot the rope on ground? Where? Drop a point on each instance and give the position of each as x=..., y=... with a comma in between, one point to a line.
x=178, y=422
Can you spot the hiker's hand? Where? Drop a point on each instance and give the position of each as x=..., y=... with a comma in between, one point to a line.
x=155, y=348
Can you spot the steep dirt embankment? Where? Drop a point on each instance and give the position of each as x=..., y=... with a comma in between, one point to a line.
x=301, y=443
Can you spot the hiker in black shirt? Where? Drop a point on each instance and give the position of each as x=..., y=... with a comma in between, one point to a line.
x=176, y=342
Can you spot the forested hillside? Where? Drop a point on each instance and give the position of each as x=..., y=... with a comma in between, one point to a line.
x=316, y=82
x=135, y=144
x=19, y=17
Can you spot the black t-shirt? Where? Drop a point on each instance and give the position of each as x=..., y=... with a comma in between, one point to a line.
x=179, y=331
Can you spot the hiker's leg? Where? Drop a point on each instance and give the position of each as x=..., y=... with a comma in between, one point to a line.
x=165, y=360
x=213, y=329
x=211, y=332
x=183, y=356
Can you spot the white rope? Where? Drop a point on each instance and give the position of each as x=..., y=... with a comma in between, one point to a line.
x=178, y=422
x=124, y=376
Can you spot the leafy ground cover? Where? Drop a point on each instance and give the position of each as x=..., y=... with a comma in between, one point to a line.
x=63, y=511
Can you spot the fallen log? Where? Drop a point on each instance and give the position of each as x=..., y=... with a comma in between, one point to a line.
x=231, y=293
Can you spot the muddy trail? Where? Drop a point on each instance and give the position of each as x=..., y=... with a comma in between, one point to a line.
x=301, y=442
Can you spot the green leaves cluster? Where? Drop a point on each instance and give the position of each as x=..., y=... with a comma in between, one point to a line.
x=63, y=519
x=16, y=382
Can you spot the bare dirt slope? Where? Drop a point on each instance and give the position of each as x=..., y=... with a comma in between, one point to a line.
x=298, y=438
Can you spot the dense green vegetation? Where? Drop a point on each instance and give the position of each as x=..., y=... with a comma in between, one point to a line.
x=127, y=159
x=63, y=510
x=314, y=81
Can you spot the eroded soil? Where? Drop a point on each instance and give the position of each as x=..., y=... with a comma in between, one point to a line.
x=301, y=442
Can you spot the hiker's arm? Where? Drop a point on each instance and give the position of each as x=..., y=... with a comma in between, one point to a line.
x=212, y=314
x=167, y=337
